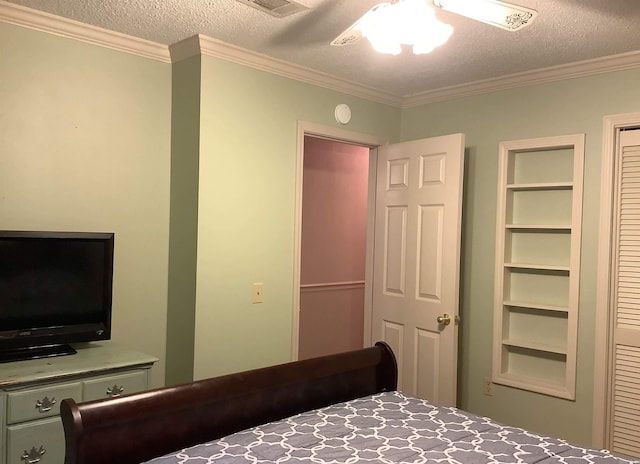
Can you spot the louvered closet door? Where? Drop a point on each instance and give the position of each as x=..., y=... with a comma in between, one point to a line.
x=625, y=400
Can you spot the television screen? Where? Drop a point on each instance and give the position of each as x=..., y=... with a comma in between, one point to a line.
x=55, y=289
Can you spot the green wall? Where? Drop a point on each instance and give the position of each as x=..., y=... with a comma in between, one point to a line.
x=246, y=207
x=565, y=107
x=192, y=165
x=183, y=242
x=84, y=146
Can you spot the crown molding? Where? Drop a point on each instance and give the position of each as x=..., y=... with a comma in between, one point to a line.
x=184, y=49
x=225, y=51
x=63, y=27
x=201, y=44
x=45, y=22
x=585, y=68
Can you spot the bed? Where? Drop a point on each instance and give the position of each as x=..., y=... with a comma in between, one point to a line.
x=341, y=408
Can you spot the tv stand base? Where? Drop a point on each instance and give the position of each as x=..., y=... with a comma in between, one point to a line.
x=36, y=352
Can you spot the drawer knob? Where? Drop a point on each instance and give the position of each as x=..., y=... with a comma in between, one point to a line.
x=45, y=404
x=34, y=455
x=115, y=391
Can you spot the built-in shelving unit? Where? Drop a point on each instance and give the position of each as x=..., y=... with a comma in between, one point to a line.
x=539, y=219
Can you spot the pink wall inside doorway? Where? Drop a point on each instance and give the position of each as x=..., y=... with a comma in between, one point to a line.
x=334, y=223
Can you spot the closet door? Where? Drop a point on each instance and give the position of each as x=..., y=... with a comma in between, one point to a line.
x=625, y=396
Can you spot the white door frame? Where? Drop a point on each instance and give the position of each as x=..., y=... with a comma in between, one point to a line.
x=603, y=324
x=340, y=135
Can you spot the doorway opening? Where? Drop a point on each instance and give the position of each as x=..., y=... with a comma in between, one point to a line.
x=333, y=247
x=349, y=290
x=414, y=202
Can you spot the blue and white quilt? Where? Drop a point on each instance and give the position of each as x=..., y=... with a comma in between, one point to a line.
x=387, y=428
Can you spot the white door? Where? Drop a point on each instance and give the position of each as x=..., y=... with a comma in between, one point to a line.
x=624, y=400
x=417, y=262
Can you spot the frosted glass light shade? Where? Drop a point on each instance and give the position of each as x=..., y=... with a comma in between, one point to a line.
x=405, y=22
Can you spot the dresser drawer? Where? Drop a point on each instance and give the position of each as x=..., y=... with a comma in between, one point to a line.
x=40, y=402
x=38, y=441
x=114, y=385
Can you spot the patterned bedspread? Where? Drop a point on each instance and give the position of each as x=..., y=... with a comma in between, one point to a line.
x=387, y=428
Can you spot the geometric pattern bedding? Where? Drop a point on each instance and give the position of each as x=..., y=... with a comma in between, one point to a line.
x=391, y=428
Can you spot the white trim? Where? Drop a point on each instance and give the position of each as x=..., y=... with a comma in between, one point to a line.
x=368, y=269
x=611, y=126
x=347, y=283
x=331, y=286
x=630, y=60
x=228, y=52
x=342, y=135
x=185, y=49
x=216, y=48
x=45, y=22
x=68, y=28
x=501, y=333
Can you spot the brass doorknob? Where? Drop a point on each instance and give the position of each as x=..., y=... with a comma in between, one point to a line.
x=445, y=319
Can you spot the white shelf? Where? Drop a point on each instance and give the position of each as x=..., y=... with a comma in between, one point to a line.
x=554, y=386
x=536, y=346
x=540, y=307
x=542, y=186
x=550, y=227
x=538, y=231
x=542, y=267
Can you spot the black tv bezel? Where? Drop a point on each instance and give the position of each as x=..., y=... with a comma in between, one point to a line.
x=48, y=341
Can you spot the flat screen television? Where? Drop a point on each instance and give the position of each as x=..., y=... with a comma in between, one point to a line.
x=55, y=290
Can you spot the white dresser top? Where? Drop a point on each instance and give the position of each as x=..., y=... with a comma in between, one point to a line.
x=90, y=358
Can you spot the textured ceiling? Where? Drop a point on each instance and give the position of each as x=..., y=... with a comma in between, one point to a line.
x=565, y=31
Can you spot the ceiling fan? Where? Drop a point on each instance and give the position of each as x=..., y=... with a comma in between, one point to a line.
x=394, y=20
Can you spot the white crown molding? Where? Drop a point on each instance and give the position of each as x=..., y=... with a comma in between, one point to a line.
x=45, y=22
x=200, y=44
x=185, y=49
x=225, y=51
x=585, y=68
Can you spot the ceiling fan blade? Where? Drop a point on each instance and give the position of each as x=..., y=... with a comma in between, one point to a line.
x=354, y=32
x=307, y=28
x=501, y=14
x=349, y=36
x=504, y=15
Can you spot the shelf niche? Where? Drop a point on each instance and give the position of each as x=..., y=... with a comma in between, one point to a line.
x=538, y=232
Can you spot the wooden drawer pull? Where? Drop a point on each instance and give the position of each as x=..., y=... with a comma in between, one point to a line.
x=33, y=456
x=115, y=391
x=45, y=404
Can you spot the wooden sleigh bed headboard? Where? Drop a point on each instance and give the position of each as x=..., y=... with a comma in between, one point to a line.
x=135, y=428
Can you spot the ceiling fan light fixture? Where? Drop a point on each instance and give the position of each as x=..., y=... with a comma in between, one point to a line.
x=504, y=15
x=410, y=22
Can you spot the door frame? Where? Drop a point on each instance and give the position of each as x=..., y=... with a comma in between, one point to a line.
x=612, y=125
x=311, y=129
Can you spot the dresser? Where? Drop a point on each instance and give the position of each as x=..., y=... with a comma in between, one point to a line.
x=31, y=392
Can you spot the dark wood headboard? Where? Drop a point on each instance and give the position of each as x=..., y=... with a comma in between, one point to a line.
x=135, y=428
